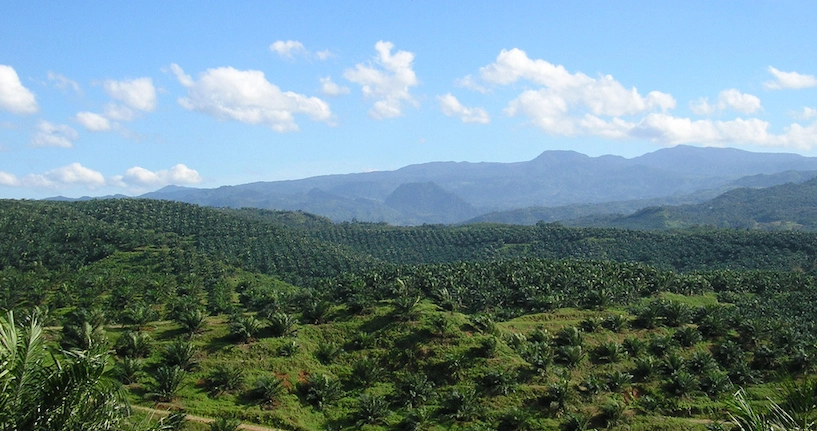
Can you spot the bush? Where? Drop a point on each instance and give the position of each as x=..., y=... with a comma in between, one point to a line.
x=371, y=409
x=180, y=353
x=282, y=324
x=267, y=390
x=327, y=352
x=133, y=345
x=321, y=390
x=225, y=378
x=167, y=381
x=414, y=390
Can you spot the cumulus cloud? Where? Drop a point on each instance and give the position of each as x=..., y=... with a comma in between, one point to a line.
x=453, y=108
x=66, y=176
x=246, y=96
x=561, y=102
x=7, y=179
x=288, y=48
x=53, y=135
x=14, y=97
x=789, y=80
x=324, y=55
x=139, y=178
x=565, y=103
x=387, y=80
x=75, y=174
x=330, y=88
x=727, y=99
x=64, y=83
x=806, y=113
x=470, y=83
x=93, y=122
x=136, y=93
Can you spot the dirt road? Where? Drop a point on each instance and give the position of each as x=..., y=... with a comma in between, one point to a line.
x=201, y=419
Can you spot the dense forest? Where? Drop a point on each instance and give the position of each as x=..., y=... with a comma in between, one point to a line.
x=288, y=320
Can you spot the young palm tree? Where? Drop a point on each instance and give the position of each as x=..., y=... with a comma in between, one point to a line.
x=39, y=391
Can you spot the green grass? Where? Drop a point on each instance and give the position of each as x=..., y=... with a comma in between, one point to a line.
x=452, y=357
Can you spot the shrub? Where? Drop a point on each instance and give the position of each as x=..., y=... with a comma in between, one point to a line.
x=371, y=409
x=414, y=389
x=133, y=345
x=608, y=352
x=281, y=324
x=167, y=381
x=180, y=353
x=321, y=390
x=460, y=404
x=498, y=382
x=569, y=336
x=225, y=378
x=267, y=390
x=327, y=352
x=244, y=328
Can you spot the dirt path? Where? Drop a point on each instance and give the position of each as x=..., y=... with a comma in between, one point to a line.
x=201, y=419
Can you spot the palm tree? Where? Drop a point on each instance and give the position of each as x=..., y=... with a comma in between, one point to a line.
x=41, y=391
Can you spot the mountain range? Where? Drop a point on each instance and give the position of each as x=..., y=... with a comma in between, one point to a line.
x=557, y=185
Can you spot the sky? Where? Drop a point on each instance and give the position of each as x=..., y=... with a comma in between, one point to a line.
x=114, y=97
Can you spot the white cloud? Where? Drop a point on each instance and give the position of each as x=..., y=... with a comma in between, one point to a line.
x=388, y=81
x=325, y=55
x=7, y=179
x=183, y=78
x=806, y=113
x=246, y=96
x=139, y=178
x=453, y=108
x=66, y=176
x=330, y=88
x=789, y=80
x=565, y=103
x=288, y=48
x=14, y=97
x=119, y=112
x=53, y=135
x=75, y=174
x=136, y=93
x=470, y=83
x=727, y=99
x=93, y=122
x=63, y=83
x=668, y=130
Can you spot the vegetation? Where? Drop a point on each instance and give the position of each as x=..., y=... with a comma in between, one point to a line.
x=290, y=321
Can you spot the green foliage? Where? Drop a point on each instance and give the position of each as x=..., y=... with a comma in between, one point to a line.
x=321, y=390
x=133, y=344
x=225, y=424
x=166, y=383
x=267, y=390
x=225, y=378
x=244, y=328
x=180, y=353
x=39, y=391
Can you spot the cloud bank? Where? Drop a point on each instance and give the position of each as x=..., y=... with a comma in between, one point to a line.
x=564, y=103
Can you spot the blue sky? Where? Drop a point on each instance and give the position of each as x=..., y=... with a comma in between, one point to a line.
x=112, y=97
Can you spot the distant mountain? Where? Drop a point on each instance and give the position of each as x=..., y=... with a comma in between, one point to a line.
x=791, y=206
x=554, y=179
x=580, y=214
x=424, y=201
